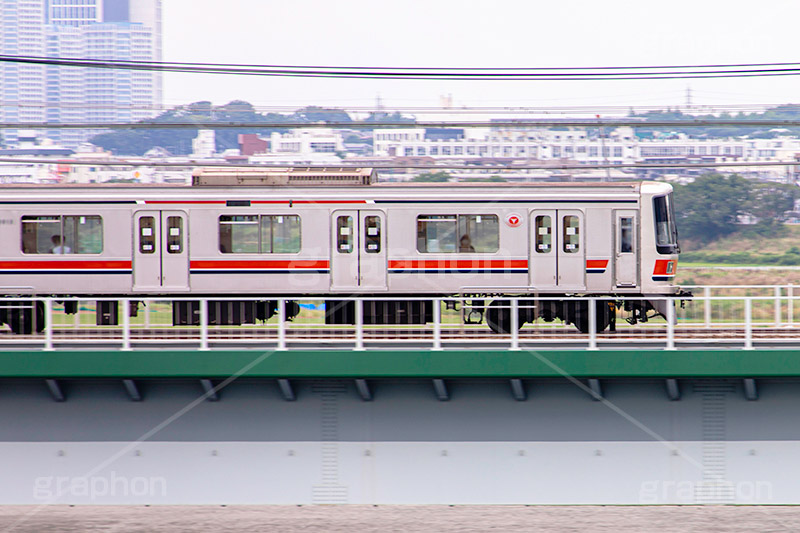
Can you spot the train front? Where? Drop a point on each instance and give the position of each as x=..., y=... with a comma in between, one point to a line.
x=660, y=247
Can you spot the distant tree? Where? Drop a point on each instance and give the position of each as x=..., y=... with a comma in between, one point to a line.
x=431, y=177
x=770, y=203
x=179, y=141
x=710, y=207
x=321, y=114
x=380, y=116
x=780, y=112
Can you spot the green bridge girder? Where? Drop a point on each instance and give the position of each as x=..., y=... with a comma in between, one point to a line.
x=321, y=364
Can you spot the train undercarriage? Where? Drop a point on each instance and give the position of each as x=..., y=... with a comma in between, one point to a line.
x=29, y=316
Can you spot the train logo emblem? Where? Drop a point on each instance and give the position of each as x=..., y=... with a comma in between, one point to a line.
x=513, y=220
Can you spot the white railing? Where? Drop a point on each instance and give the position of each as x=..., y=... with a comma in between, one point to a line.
x=706, y=319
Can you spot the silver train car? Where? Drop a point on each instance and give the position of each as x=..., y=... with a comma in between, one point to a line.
x=335, y=233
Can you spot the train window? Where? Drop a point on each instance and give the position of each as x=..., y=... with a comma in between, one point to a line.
x=478, y=234
x=147, y=235
x=666, y=230
x=458, y=233
x=372, y=234
x=626, y=235
x=174, y=235
x=81, y=234
x=437, y=233
x=238, y=234
x=344, y=234
x=571, y=237
x=280, y=234
x=544, y=234
x=84, y=234
x=251, y=234
x=39, y=234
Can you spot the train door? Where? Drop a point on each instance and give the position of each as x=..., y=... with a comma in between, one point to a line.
x=557, y=255
x=358, y=250
x=543, y=261
x=160, y=254
x=626, y=249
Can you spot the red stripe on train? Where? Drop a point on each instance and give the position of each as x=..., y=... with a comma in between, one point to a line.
x=596, y=263
x=296, y=264
x=664, y=267
x=64, y=264
x=461, y=263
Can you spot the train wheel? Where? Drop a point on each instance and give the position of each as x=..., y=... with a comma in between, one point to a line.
x=24, y=321
x=21, y=321
x=578, y=315
x=40, y=323
x=498, y=317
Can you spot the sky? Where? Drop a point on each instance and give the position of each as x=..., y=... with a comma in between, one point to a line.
x=488, y=33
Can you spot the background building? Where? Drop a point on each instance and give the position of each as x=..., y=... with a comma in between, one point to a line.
x=89, y=29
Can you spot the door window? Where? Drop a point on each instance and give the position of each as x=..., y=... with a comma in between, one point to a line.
x=372, y=234
x=544, y=234
x=344, y=234
x=174, y=235
x=626, y=235
x=147, y=235
x=571, y=237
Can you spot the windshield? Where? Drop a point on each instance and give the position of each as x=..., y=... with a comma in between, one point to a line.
x=666, y=230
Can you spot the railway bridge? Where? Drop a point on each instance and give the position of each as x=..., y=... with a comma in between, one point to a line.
x=699, y=406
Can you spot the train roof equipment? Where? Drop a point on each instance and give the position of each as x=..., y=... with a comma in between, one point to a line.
x=294, y=176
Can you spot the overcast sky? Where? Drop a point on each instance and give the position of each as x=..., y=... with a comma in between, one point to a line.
x=487, y=33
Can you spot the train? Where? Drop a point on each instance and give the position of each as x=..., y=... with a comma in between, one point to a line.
x=269, y=234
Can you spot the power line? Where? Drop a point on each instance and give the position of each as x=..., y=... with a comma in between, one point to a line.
x=735, y=70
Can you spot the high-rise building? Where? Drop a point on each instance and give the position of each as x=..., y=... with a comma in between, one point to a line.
x=93, y=29
x=74, y=12
x=65, y=90
x=22, y=86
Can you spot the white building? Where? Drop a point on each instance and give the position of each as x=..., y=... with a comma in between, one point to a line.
x=119, y=95
x=309, y=146
x=74, y=12
x=618, y=146
x=205, y=144
x=306, y=141
x=475, y=143
x=94, y=29
x=22, y=86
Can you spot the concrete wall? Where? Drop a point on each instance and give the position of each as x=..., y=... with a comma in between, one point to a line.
x=329, y=446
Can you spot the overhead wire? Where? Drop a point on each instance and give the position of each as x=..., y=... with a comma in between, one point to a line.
x=733, y=70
